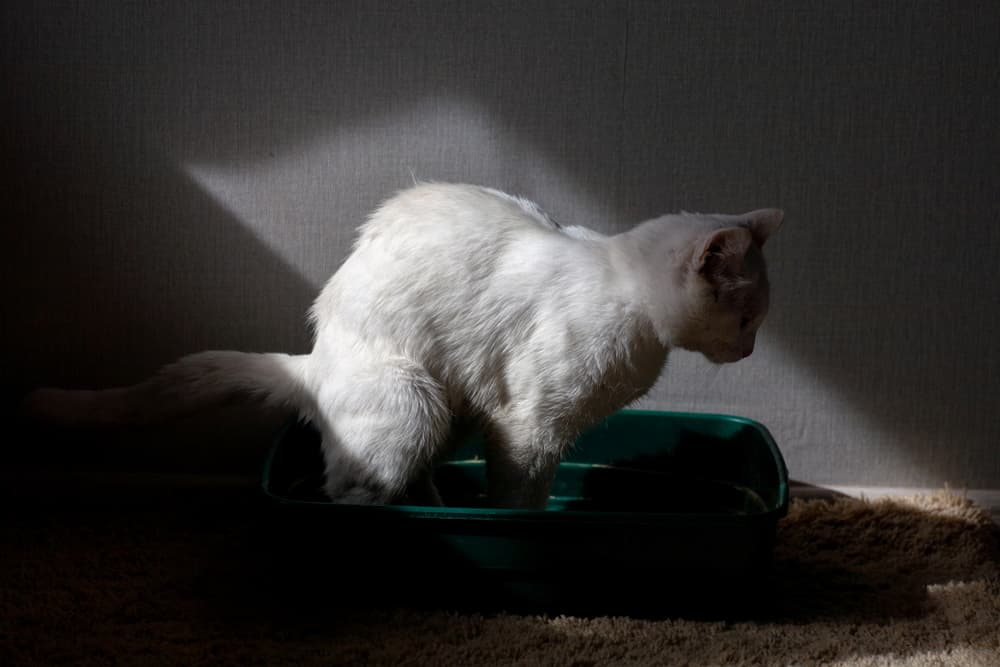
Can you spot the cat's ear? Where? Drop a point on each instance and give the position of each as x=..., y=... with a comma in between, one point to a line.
x=723, y=251
x=762, y=223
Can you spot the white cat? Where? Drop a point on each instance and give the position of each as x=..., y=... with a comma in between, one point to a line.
x=462, y=304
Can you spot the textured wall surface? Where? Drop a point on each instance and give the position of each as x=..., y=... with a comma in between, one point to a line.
x=185, y=175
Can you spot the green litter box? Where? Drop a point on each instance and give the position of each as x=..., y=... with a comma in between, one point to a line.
x=645, y=501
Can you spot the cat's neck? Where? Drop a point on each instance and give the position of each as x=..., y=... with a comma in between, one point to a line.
x=650, y=261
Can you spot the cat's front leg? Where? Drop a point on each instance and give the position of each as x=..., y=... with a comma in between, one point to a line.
x=423, y=491
x=520, y=465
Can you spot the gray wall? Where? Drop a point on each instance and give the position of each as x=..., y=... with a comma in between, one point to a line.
x=185, y=175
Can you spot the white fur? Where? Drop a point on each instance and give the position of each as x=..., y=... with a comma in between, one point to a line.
x=461, y=303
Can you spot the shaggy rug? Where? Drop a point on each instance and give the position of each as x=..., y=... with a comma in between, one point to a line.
x=891, y=582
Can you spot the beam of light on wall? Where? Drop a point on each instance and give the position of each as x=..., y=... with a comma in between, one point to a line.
x=305, y=203
x=753, y=387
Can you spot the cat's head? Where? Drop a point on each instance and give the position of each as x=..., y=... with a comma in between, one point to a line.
x=725, y=285
x=715, y=293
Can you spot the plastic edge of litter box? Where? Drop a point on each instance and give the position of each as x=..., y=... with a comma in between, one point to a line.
x=474, y=513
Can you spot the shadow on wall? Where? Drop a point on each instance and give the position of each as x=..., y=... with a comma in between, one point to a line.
x=876, y=136
x=120, y=263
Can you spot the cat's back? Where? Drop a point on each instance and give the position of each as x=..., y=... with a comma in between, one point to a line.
x=456, y=258
x=451, y=211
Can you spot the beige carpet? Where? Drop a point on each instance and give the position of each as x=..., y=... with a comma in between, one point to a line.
x=902, y=582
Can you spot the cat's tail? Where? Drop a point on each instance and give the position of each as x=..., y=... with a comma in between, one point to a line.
x=191, y=384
